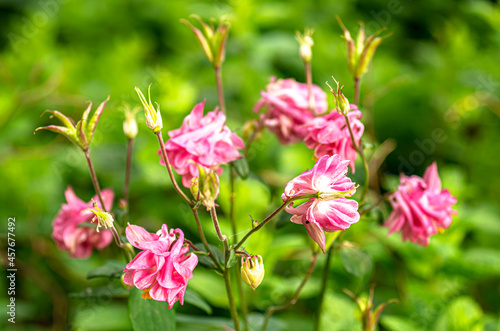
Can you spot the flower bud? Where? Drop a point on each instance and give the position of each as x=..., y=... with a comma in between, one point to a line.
x=205, y=186
x=252, y=270
x=103, y=218
x=80, y=134
x=360, y=53
x=211, y=39
x=306, y=42
x=153, y=116
x=130, y=124
x=341, y=103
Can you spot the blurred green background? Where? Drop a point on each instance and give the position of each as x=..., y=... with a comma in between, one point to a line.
x=437, y=75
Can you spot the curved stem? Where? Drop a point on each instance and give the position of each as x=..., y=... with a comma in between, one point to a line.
x=204, y=240
x=359, y=150
x=94, y=178
x=324, y=283
x=272, y=310
x=215, y=221
x=232, y=305
x=220, y=92
x=270, y=217
x=169, y=169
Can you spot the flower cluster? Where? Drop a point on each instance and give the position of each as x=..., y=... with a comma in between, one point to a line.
x=68, y=232
x=288, y=108
x=328, y=209
x=201, y=140
x=163, y=268
x=420, y=207
x=329, y=135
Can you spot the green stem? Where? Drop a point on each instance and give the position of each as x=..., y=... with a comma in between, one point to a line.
x=272, y=310
x=220, y=92
x=324, y=282
x=270, y=217
x=357, y=82
x=232, y=305
x=127, y=170
x=94, y=179
x=204, y=240
x=169, y=169
x=116, y=236
x=359, y=150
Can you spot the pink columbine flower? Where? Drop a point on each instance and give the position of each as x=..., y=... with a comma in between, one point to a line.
x=329, y=135
x=163, y=268
x=420, y=207
x=201, y=140
x=68, y=233
x=328, y=210
x=288, y=109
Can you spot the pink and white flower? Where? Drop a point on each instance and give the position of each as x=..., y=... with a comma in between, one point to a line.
x=163, y=267
x=201, y=140
x=328, y=209
x=288, y=109
x=329, y=135
x=68, y=233
x=420, y=207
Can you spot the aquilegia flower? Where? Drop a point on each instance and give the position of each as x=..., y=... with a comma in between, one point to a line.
x=163, y=268
x=328, y=210
x=420, y=207
x=287, y=104
x=68, y=232
x=201, y=140
x=329, y=135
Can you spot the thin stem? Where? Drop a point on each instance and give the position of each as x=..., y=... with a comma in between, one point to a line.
x=220, y=92
x=270, y=217
x=357, y=81
x=232, y=305
x=232, y=214
x=324, y=283
x=294, y=299
x=190, y=244
x=215, y=221
x=169, y=169
x=94, y=179
x=242, y=253
x=204, y=240
x=382, y=198
x=312, y=106
x=359, y=149
x=128, y=164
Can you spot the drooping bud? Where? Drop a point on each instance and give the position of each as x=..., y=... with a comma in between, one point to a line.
x=153, y=116
x=341, y=103
x=252, y=270
x=81, y=134
x=130, y=124
x=306, y=42
x=103, y=218
x=360, y=53
x=211, y=39
x=205, y=187
x=369, y=317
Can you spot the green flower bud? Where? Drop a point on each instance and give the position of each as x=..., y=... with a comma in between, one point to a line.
x=341, y=103
x=306, y=42
x=153, y=116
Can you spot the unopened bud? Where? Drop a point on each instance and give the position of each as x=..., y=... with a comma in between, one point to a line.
x=306, y=42
x=130, y=125
x=153, y=116
x=252, y=270
x=341, y=103
x=205, y=186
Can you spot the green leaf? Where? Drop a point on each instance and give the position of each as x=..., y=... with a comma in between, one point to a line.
x=194, y=299
x=231, y=260
x=149, y=314
x=397, y=323
x=114, y=289
x=356, y=261
x=196, y=322
x=111, y=269
x=206, y=261
x=241, y=167
x=463, y=313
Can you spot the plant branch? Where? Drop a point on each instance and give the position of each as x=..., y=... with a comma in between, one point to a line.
x=220, y=92
x=94, y=179
x=204, y=241
x=357, y=82
x=324, y=283
x=272, y=310
x=169, y=169
x=359, y=150
x=127, y=170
